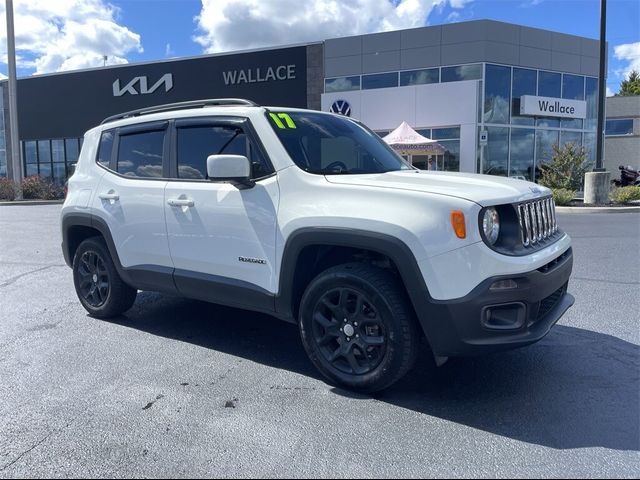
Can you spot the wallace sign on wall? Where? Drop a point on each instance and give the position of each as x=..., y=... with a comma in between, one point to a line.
x=552, y=107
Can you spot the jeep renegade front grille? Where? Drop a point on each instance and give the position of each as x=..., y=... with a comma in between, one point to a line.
x=537, y=220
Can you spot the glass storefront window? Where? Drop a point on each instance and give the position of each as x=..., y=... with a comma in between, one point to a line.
x=44, y=158
x=59, y=173
x=589, y=143
x=30, y=152
x=3, y=163
x=591, y=92
x=549, y=85
x=496, y=153
x=57, y=150
x=572, y=89
x=451, y=159
x=342, y=84
x=524, y=83
x=380, y=80
x=445, y=133
x=462, y=72
x=570, y=137
x=618, y=127
x=419, y=77
x=71, y=147
x=497, y=91
x=522, y=148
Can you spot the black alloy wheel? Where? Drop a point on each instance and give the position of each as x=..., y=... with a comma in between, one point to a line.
x=94, y=284
x=99, y=286
x=358, y=326
x=349, y=331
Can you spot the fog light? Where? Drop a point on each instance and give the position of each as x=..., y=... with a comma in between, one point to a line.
x=504, y=285
x=510, y=316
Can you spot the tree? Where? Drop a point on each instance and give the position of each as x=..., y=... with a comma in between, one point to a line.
x=567, y=167
x=631, y=85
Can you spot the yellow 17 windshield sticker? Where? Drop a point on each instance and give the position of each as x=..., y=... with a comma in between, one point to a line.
x=278, y=117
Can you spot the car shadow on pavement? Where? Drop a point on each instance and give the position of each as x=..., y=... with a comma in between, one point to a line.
x=574, y=389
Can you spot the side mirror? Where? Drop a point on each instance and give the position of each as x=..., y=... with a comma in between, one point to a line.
x=230, y=168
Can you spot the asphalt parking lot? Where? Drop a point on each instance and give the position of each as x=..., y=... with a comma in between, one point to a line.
x=182, y=388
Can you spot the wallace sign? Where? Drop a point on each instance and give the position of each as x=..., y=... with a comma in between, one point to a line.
x=257, y=75
x=552, y=107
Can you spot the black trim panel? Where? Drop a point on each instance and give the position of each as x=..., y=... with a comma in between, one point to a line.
x=222, y=290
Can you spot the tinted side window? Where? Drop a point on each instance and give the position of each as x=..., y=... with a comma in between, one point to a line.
x=195, y=144
x=104, y=151
x=140, y=154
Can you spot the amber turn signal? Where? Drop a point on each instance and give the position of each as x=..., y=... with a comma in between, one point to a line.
x=458, y=224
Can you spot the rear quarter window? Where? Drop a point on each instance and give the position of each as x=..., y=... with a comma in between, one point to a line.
x=105, y=148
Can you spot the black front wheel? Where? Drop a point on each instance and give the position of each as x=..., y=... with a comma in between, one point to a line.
x=358, y=327
x=98, y=286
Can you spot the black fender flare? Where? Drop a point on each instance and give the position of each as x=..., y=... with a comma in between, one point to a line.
x=75, y=219
x=392, y=247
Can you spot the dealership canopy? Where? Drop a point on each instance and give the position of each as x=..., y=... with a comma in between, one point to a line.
x=406, y=141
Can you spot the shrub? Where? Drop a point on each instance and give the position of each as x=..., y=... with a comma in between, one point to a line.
x=7, y=189
x=36, y=187
x=566, y=169
x=625, y=194
x=562, y=196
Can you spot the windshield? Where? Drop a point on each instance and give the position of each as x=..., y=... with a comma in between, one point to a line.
x=332, y=145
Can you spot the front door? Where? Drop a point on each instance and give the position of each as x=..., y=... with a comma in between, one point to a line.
x=221, y=236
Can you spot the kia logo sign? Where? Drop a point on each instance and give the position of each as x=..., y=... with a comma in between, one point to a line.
x=140, y=86
x=341, y=107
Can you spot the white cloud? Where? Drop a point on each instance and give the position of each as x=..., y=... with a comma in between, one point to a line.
x=629, y=53
x=610, y=93
x=2, y=76
x=168, y=51
x=67, y=34
x=453, y=17
x=226, y=25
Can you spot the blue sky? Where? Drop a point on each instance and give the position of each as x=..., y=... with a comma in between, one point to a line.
x=142, y=30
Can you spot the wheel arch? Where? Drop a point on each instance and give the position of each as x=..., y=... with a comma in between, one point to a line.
x=294, y=265
x=77, y=227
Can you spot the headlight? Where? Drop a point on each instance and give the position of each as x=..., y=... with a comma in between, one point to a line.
x=491, y=225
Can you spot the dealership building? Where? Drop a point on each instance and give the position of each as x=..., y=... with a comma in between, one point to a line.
x=497, y=96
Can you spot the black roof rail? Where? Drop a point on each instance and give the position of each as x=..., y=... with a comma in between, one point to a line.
x=211, y=102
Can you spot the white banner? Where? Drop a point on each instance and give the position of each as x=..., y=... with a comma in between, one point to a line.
x=552, y=107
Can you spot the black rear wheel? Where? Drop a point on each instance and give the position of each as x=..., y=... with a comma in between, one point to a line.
x=99, y=287
x=358, y=327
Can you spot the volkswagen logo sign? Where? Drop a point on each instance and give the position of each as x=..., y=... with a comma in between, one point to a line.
x=341, y=107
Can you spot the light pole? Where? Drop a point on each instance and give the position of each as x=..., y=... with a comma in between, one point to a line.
x=14, y=165
x=596, y=183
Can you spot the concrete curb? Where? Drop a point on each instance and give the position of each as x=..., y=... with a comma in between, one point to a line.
x=32, y=202
x=598, y=209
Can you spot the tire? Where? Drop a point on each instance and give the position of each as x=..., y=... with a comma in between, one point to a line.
x=368, y=355
x=99, y=287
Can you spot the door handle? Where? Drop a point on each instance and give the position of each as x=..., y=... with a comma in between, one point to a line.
x=110, y=195
x=181, y=202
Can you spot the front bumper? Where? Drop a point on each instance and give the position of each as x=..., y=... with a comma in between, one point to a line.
x=489, y=320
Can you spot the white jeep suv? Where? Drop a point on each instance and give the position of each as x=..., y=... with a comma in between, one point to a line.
x=312, y=218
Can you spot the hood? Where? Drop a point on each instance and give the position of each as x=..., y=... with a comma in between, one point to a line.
x=485, y=190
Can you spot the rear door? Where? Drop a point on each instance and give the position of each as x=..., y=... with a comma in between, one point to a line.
x=130, y=197
x=221, y=236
